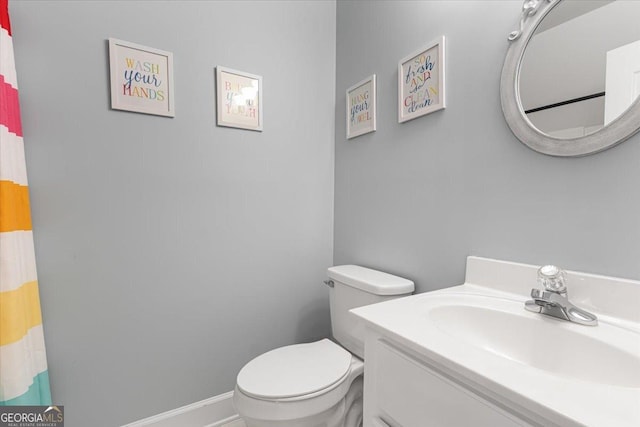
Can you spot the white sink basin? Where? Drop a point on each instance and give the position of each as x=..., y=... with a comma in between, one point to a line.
x=603, y=354
x=551, y=371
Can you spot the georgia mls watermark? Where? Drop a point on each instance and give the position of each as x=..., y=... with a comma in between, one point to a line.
x=31, y=416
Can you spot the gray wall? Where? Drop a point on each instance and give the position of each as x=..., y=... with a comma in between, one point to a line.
x=172, y=251
x=417, y=198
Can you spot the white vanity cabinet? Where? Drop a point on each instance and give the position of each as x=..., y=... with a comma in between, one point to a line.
x=402, y=390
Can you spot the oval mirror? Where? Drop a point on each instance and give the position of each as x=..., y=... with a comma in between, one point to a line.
x=571, y=78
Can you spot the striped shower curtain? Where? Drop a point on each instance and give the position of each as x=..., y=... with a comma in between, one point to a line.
x=24, y=379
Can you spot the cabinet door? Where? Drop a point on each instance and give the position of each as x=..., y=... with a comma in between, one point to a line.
x=410, y=394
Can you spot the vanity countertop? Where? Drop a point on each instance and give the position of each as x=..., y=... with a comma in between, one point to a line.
x=564, y=372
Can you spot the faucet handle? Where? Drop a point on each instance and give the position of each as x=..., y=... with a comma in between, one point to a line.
x=552, y=279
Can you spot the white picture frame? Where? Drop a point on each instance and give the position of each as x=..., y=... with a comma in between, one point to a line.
x=141, y=79
x=361, y=107
x=421, y=81
x=239, y=99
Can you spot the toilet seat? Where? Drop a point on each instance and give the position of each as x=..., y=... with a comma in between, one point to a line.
x=281, y=411
x=295, y=371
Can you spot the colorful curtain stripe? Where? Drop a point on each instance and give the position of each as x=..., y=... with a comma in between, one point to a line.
x=24, y=379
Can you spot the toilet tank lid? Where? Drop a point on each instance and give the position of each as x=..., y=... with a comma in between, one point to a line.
x=372, y=281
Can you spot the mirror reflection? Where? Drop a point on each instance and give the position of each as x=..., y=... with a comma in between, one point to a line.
x=581, y=68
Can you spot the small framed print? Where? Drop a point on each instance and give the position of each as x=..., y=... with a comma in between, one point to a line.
x=239, y=102
x=421, y=85
x=141, y=79
x=361, y=107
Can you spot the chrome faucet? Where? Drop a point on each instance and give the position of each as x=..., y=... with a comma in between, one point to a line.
x=553, y=300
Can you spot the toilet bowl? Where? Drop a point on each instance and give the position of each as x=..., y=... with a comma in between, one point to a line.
x=314, y=384
x=318, y=384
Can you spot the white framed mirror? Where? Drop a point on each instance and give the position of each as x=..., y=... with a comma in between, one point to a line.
x=571, y=78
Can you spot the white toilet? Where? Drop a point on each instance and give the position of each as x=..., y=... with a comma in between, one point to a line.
x=318, y=384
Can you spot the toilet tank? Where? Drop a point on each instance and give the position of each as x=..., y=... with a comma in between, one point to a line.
x=355, y=286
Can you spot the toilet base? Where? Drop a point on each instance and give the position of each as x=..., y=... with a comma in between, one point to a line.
x=346, y=413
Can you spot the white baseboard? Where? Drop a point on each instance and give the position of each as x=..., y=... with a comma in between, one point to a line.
x=212, y=412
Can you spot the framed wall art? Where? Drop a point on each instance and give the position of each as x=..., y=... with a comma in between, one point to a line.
x=141, y=79
x=421, y=85
x=239, y=103
x=361, y=107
